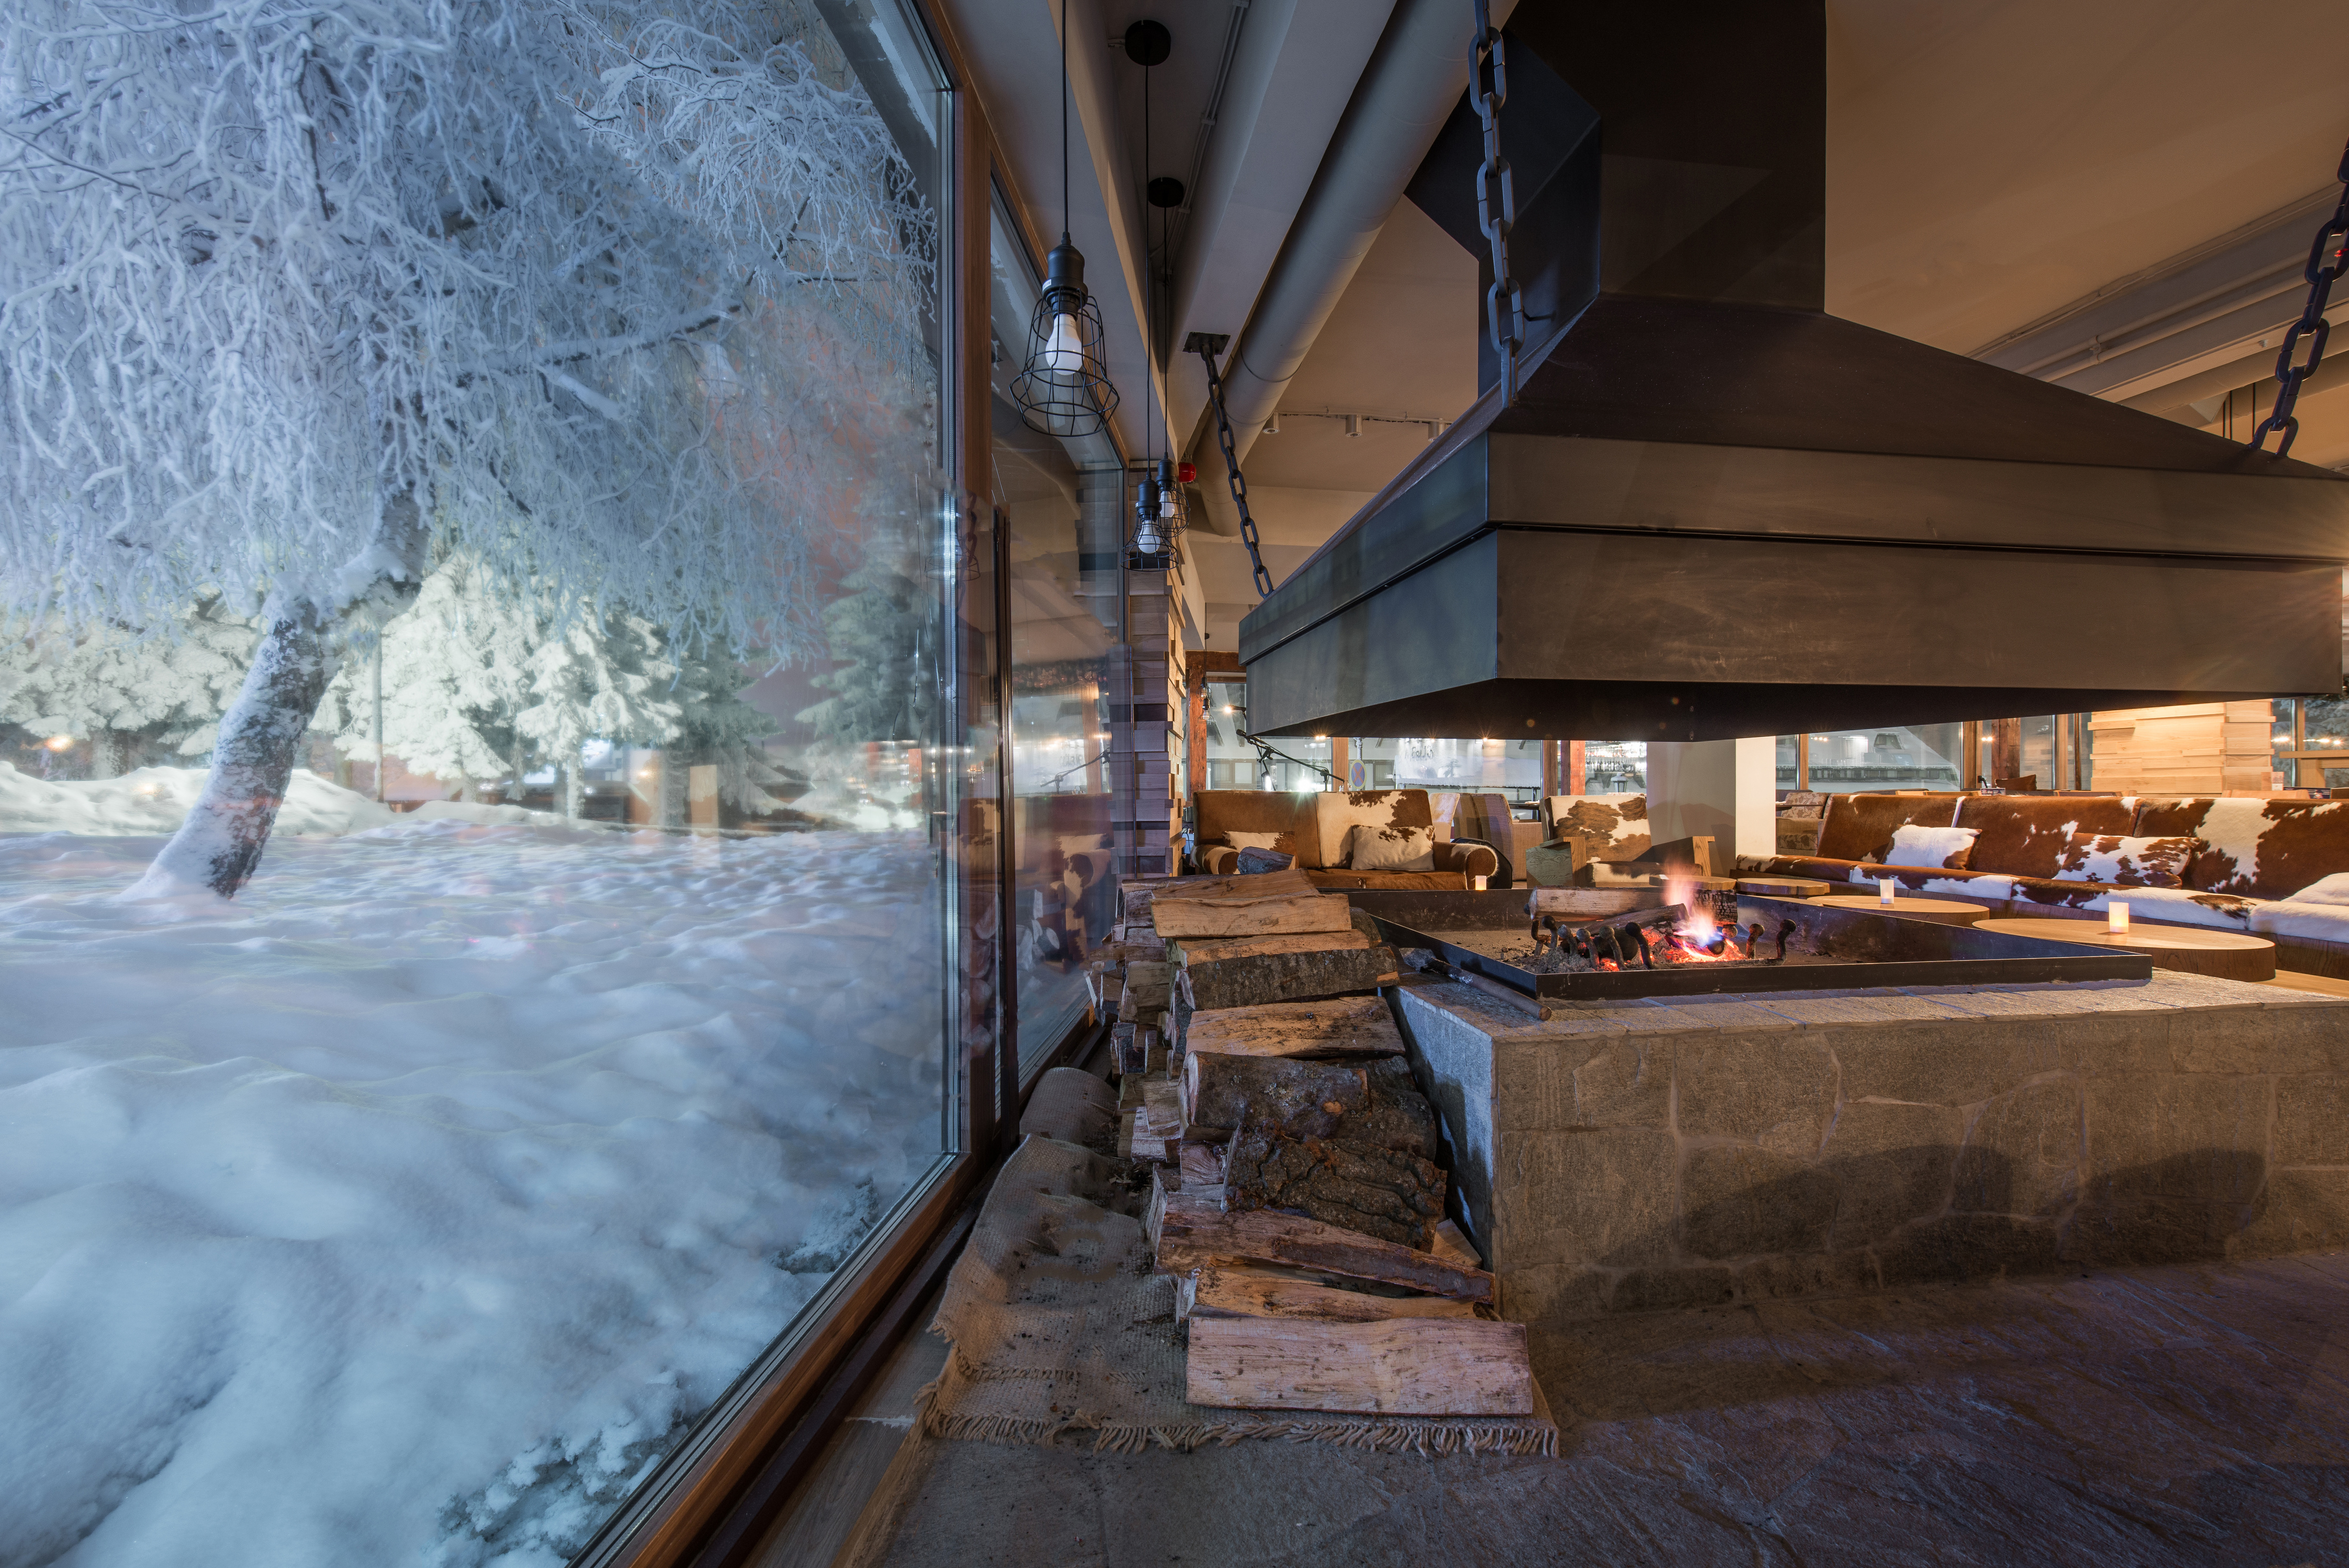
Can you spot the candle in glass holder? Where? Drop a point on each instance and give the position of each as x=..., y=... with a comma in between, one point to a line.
x=1480, y=884
x=2117, y=919
x=1884, y=892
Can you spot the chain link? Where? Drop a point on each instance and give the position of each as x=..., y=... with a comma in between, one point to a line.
x=1488, y=89
x=1232, y=466
x=2328, y=258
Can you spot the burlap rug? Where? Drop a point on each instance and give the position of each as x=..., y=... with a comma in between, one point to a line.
x=1057, y=1325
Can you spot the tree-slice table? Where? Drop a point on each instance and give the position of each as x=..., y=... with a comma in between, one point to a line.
x=1942, y=911
x=2225, y=954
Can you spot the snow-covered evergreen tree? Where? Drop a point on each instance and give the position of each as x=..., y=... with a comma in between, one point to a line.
x=602, y=676
x=131, y=691
x=298, y=292
x=456, y=676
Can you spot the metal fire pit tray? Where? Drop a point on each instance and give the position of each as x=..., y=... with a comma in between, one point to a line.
x=1829, y=950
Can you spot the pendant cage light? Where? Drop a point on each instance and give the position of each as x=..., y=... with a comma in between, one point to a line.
x=1162, y=509
x=1064, y=388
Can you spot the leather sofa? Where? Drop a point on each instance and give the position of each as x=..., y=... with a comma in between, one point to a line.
x=2248, y=859
x=1316, y=830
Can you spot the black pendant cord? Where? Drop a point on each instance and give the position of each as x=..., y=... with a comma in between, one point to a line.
x=2328, y=258
x=1064, y=122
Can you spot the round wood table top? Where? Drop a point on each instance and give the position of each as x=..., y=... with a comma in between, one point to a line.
x=1948, y=911
x=1786, y=887
x=2191, y=949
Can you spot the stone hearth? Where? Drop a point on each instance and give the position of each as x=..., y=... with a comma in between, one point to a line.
x=1622, y=1157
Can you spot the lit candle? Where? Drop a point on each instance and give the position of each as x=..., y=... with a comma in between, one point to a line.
x=2117, y=919
x=1884, y=892
x=1480, y=884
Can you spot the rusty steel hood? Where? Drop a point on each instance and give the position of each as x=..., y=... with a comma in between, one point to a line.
x=1714, y=510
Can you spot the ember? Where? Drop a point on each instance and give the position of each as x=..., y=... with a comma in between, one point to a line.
x=1676, y=933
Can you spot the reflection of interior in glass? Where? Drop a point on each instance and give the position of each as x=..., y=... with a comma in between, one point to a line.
x=1916, y=757
x=1061, y=503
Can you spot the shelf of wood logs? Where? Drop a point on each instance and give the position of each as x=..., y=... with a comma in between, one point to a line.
x=1298, y=1191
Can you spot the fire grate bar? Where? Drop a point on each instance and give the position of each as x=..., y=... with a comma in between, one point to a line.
x=1829, y=950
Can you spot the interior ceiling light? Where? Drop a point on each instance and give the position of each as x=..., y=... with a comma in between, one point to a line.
x=1064, y=388
x=1157, y=497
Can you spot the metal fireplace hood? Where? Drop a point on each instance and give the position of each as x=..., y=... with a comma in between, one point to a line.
x=1714, y=511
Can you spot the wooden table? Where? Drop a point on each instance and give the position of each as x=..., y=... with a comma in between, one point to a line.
x=2227, y=955
x=1786, y=887
x=1940, y=911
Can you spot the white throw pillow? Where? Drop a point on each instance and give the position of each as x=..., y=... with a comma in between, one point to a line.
x=1392, y=849
x=1944, y=847
x=1254, y=841
x=2333, y=889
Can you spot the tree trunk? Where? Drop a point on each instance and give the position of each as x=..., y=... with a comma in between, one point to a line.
x=573, y=789
x=106, y=750
x=1373, y=1102
x=219, y=843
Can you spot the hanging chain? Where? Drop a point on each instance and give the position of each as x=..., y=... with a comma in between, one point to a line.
x=2328, y=258
x=1504, y=302
x=1206, y=345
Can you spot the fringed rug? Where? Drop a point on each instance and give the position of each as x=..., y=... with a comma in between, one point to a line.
x=1057, y=1325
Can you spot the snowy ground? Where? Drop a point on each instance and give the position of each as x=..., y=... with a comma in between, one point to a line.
x=405, y=1210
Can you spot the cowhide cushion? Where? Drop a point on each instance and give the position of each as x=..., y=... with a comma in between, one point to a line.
x=2028, y=836
x=1610, y=828
x=1241, y=840
x=1947, y=848
x=1220, y=814
x=1860, y=827
x=2127, y=862
x=1338, y=813
x=2254, y=849
x=1391, y=849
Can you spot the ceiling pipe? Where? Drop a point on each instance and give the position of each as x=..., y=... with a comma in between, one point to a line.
x=1416, y=75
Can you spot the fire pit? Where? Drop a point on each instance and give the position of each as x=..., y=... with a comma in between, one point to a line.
x=1679, y=949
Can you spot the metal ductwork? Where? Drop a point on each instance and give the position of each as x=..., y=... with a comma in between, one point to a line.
x=1714, y=511
x=1397, y=109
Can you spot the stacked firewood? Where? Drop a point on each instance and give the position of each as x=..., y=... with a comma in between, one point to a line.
x=1297, y=1175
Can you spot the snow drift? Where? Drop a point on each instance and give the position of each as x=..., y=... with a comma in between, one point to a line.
x=407, y=1209
x=154, y=801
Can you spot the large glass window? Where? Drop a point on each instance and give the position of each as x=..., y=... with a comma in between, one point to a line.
x=554, y=466
x=2311, y=741
x=1440, y=765
x=1062, y=506
x=1913, y=757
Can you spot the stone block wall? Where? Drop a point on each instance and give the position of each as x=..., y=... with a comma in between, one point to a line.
x=1622, y=1158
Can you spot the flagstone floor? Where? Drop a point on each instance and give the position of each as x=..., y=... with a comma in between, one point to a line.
x=2188, y=1415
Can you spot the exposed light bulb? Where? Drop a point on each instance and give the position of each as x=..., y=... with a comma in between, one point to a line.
x=1146, y=536
x=1064, y=350
x=1167, y=506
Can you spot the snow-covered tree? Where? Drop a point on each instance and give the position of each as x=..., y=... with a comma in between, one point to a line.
x=130, y=689
x=604, y=676
x=296, y=292
x=455, y=676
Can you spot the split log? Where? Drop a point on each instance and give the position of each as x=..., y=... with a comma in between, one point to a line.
x=1212, y=950
x=1383, y=1192
x=1451, y=1245
x=1404, y=1367
x=1219, y=983
x=1340, y=1026
x=1202, y=1165
x=1149, y=987
x=1128, y=1050
x=1234, y=889
x=1231, y=1292
x=1190, y=1231
x=1366, y=1103
x=1161, y=1107
x=1260, y=918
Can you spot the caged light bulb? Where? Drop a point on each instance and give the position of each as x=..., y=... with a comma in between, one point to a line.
x=1064, y=350
x=1145, y=537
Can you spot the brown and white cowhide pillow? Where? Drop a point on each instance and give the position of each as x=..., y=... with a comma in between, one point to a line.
x=1340, y=817
x=2127, y=862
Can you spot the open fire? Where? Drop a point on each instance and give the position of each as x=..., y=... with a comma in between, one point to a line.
x=1683, y=931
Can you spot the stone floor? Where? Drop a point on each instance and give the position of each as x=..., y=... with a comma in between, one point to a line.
x=2189, y=1415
